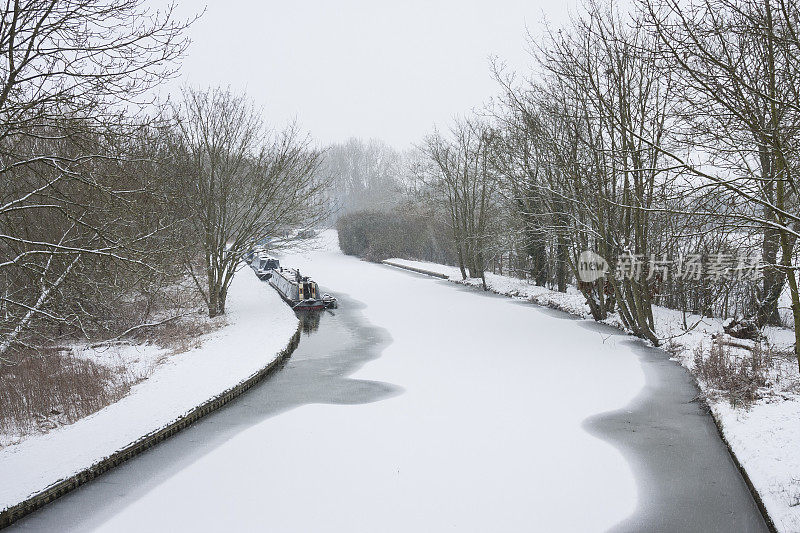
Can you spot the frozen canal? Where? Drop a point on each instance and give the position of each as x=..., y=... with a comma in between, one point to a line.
x=423, y=406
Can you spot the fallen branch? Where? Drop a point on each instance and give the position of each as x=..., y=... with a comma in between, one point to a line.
x=149, y=325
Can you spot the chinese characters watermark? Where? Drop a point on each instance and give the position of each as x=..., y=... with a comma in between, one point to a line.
x=715, y=267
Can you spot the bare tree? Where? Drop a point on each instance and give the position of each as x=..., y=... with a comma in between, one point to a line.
x=242, y=184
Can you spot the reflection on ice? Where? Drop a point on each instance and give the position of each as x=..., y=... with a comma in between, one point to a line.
x=310, y=320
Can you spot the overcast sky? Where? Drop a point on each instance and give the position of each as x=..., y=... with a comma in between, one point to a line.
x=364, y=69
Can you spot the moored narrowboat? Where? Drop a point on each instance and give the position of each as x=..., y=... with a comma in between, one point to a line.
x=300, y=292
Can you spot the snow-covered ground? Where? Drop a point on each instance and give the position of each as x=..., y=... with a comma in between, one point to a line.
x=137, y=361
x=259, y=327
x=764, y=435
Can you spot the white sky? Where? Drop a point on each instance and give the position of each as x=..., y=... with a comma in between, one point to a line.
x=366, y=69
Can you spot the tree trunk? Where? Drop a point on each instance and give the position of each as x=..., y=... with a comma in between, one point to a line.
x=561, y=262
x=774, y=278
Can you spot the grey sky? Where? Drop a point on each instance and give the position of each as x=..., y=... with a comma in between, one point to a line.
x=361, y=68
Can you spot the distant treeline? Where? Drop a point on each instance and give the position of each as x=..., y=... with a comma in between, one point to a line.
x=378, y=235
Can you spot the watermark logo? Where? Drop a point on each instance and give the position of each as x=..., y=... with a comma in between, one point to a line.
x=716, y=267
x=591, y=266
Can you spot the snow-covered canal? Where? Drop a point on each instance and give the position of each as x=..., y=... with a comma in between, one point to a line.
x=423, y=406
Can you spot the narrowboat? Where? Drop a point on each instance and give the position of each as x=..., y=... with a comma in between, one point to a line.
x=300, y=292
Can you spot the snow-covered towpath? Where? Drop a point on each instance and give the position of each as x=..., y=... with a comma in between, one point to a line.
x=417, y=406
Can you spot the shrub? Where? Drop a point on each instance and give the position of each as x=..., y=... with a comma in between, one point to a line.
x=376, y=235
x=54, y=387
x=734, y=376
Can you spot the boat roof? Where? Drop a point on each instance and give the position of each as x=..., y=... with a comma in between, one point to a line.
x=289, y=274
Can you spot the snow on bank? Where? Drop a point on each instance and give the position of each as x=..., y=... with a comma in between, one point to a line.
x=764, y=435
x=138, y=361
x=259, y=326
x=572, y=301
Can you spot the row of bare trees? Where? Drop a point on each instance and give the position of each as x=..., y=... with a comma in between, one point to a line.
x=75, y=76
x=108, y=199
x=464, y=177
x=661, y=131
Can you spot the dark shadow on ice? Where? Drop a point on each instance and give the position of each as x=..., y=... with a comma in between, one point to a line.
x=686, y=479
x=334, y=345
